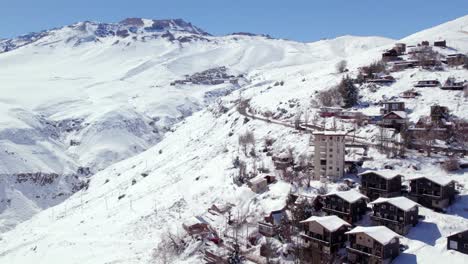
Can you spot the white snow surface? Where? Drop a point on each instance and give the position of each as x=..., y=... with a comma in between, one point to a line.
x=179, y=174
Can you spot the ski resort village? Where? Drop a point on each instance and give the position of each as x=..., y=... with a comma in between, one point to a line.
x=153, y=141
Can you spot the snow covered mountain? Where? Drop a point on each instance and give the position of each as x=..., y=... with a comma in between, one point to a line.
x=79, y=98
x=90, y=95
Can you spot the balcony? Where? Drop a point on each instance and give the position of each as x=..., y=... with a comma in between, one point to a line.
x=358, y=249
x=311, y=236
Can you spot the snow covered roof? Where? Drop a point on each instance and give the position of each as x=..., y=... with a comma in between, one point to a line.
x=257, y=180
x=401, y=114
x=330, y=133
x=387, y=174
x=380, y=233
x=195, y=220
x=331, y=222
x=401, y=202
x=350, y=196
x=441, y=180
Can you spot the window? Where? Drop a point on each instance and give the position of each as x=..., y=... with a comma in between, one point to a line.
x=465, y=245
x=331, y=156
x=383, y=206
x=337, y=169
x=330, y=168
x=391, y=208
x=453, y=244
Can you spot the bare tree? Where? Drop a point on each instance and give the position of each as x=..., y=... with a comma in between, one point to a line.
x=341, y=66
x=170, y=246
x=246, y=139
x=426, y=56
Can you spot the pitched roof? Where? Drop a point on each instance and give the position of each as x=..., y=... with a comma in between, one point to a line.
x=401, y=114
x=401, y=202
x=331, y=222
x=380, y=233
x=441, y=180
x=350, y=196
x=386, y=174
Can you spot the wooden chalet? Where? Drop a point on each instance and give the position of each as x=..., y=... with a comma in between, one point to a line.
x=374, y=245
x=258, y=184
x=384, y=183
x=458, y=242
x=436, y=192
x=410, y=94
x=271, y=222
x=394, y=119
x=386, y=79
x=452, y=84
x=456, y=59
x=392, y=106
x=427, y=83
x=397, y=213
x=323, y=236
x=348, y=205
x=390, y=55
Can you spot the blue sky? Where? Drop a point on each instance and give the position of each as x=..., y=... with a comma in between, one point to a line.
x=303, y=20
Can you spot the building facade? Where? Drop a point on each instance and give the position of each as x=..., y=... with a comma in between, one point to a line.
x=323, y=236
x=349, y=205
x=398, y=214
x=385, y=183
x=436, y=192
x=458, y=242
x=329, y=155
x=372, y=245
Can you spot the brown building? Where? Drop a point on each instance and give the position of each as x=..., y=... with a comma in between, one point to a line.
x=440, y=43
x=390, y=55
x=458, y=242
x=384, y=183
x=392, y=106
x=409, y=94
x=373, y=245
x=435, y=192
x=397, y=213
x=454, y=85
x=427, y=83
x=348, y=205
x=323, y=236
x=456, y=59
x=394, y=119
x=400, y=48
x=269, y=227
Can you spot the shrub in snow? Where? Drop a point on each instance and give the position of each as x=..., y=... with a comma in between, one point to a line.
x=323, y=189
x=343, y=187
x=341, y=66
x=451, y=164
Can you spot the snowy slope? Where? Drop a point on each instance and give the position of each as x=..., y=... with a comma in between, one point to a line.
x=85, y=96
x=121, y=217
